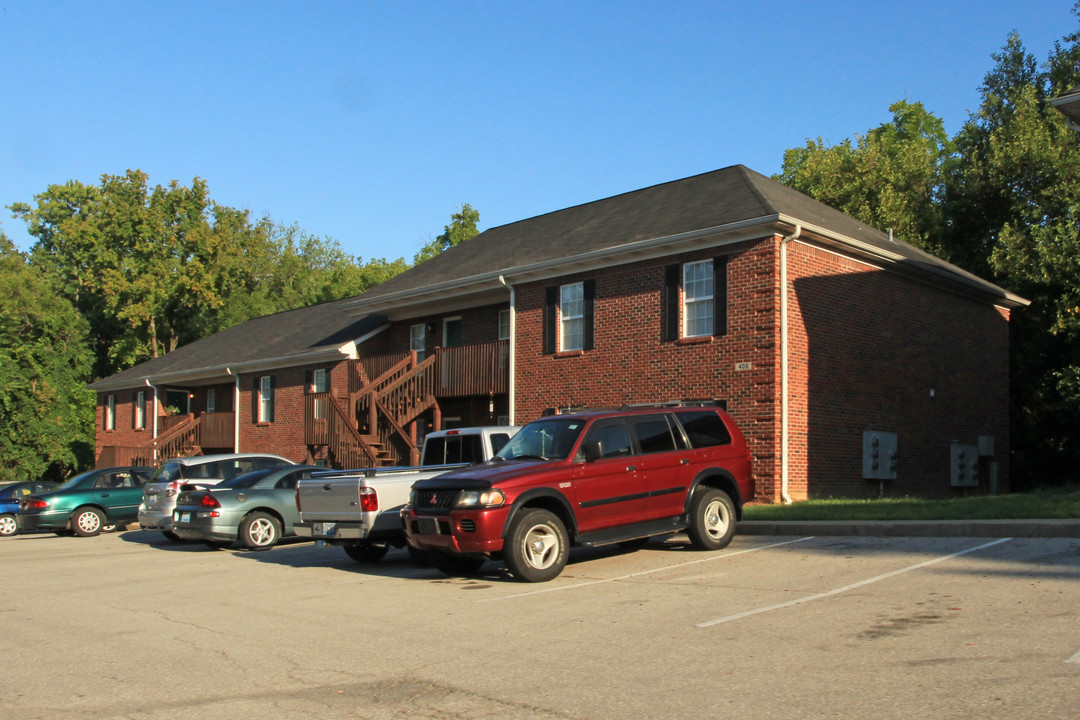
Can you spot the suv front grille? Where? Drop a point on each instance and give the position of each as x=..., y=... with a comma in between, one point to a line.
x=427, y=501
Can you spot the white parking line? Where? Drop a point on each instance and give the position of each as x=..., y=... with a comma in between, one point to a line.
x=711, y=558
x=844, y=589
x=1074, y=659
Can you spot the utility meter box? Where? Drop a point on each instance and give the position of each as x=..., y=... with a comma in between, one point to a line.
x=964, y=465
x=879, y=455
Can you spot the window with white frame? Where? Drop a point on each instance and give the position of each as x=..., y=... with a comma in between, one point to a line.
x=572, y=316
x=418, y=340
x=320, y=383
x=266, y=399
x=110, y=412
x=211, y=400
x=140, y=410
x=504, y=324
x=698, y=298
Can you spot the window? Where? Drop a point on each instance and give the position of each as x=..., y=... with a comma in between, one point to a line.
x=568, y=317
x=140, y=410
x=110, y=412
x=654, y=434
x=611, y=438
x=266, y=399
x=698, y=299
x=418, y=340
x=704, y=428
x=695, y=299
x=571, y=316
x=320, y=383
x=211, y=400
x=504, y=324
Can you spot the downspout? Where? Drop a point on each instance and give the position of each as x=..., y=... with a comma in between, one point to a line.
x=236, y=410
x=511, y=395
x=784, y=429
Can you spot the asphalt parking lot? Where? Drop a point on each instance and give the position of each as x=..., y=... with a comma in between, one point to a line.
x=128, y=625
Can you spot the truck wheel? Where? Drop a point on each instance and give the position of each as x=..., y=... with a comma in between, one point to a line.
x=419, y=557
x=366, y=552
x=259, y=531
x=537, y=546
x=456, y=565
x=87, y=522
x=712, y=519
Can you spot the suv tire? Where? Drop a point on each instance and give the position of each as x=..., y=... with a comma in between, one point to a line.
x=366, y=552
x=712, y=519
x=537, y=546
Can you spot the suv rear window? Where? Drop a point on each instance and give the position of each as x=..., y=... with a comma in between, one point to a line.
x=704, y=428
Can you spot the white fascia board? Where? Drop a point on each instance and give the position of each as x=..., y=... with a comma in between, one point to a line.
x=227, y=371
x=461, y=293
x=885, y=257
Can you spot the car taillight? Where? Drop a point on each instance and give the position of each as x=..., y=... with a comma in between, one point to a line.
x=297, y=496
x=209, y=501
x=34, y=504
x=369, y=500
x=171, y=490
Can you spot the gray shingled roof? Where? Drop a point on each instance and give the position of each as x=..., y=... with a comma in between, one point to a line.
x=715, y=199
x=284, y=335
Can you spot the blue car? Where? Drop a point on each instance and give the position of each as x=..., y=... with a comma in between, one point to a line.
x=10, y=495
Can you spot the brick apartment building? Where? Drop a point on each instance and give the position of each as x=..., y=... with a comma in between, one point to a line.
x=855, y=363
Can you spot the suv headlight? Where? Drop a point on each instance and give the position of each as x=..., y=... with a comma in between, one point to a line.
x=479, y=499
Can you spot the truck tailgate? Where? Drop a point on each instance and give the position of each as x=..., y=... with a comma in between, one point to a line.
x=334, y=498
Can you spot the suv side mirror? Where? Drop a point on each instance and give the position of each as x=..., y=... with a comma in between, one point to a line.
x=593, y=451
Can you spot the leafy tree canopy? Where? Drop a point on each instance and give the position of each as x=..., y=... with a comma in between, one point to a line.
x=46, y=412
x=461, y=228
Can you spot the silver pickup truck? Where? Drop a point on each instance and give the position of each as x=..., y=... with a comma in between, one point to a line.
x=360, y=509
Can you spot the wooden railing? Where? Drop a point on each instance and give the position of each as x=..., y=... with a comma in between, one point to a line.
x=180, y=439
x=326, y=422
x=124, y=455
x=473, y=369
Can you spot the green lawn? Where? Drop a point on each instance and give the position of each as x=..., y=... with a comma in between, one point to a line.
x=1057, y=503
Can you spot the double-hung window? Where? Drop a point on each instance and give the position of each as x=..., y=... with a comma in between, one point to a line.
x=140, y=410
x=572, y=317
x=266, y=399
x=320, y=383
x=110, y=412
x=698, y=298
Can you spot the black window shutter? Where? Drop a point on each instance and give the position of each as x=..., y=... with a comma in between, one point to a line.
x=309, y=381
x=551, y=297
x=670, y=311
x=589, y=289
x=720, y=295
x=255, y=401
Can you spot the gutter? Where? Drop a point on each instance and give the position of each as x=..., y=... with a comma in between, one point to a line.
x=785, y=431
x=236, y=410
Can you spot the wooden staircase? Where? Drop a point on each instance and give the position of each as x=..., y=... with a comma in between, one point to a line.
x=375, y=424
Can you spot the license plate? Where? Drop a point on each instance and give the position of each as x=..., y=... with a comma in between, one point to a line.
x=325, y=528
x=184, y=517
x=428, y=526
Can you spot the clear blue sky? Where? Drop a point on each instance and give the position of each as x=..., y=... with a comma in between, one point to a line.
x=371, y=122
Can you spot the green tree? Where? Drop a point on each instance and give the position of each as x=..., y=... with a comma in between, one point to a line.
x=461, y=228
x=890, y=178
x=1014, y=200
x=46, y=412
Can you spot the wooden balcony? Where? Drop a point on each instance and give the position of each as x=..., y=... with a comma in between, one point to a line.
x=473, y=370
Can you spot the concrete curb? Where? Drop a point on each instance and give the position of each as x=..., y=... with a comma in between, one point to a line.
x=918, y=528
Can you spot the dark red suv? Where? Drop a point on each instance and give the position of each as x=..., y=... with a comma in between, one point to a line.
x=586, y=479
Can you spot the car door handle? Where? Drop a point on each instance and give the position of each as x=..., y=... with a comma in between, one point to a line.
x=104, y=494
x=684, y=461
x=631, y=468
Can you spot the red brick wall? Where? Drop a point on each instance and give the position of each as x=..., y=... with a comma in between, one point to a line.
x=478, y=325
x=867, y=349
x=631, y=364
x=866, y=345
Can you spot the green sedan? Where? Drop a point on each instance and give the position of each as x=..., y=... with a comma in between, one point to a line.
x=86, y=504
x=257, y=508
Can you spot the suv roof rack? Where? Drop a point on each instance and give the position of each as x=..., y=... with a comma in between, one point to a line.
x=568, y=410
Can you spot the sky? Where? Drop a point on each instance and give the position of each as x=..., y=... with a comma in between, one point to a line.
x=372, y=122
